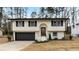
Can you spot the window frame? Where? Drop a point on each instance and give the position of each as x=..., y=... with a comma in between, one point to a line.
x=57, y=23
x=31, y=24
x=19, y=23
x=54, y=33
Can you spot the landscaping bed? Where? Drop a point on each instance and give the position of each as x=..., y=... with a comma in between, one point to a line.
x=3, y=39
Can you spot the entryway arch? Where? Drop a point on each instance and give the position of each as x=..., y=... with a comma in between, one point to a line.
x=43, y=25
x=43, y=29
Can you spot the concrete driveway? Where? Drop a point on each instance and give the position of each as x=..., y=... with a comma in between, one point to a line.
x=15, y=46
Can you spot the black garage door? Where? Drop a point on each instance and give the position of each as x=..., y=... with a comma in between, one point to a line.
x=20, y=36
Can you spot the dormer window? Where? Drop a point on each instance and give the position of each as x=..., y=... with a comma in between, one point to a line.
x=19, y=23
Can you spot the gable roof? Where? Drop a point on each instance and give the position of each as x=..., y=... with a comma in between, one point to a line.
x=39, y=19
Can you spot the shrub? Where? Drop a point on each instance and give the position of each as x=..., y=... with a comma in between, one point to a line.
x=63, y=38
x=70, y=37
x=9, y=38
x=55, y=38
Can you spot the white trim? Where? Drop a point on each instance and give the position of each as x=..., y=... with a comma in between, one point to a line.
x=14, y=36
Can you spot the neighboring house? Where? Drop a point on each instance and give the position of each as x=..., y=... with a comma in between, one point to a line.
x=77, y=26
x=75, y=30
x=38, y=29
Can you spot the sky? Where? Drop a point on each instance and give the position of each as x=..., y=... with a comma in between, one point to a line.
x=29, y=10
x=32, y=9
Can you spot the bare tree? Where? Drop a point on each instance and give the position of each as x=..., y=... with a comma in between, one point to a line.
x=1, y=14
x=73, y=16
x=11, y=12
x=42, y=12
x=33, y=14
x=50, y=11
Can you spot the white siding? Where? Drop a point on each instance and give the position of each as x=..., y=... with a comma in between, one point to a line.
x=39, y=22
x=60, y=35
x=49, y=29
x=36, y=35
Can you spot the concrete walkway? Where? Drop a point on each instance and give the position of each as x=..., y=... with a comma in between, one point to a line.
x=15, y=46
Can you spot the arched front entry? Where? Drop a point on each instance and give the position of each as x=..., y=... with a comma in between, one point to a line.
x=43, y=31
x=43, y=28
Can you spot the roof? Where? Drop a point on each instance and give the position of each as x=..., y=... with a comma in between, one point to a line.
x=39, y=19
x=77, y=24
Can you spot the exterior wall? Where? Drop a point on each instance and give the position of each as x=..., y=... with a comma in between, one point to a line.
x=37, y=35
x=60, y=35
x=34, y=29
x=49, y=29
x=13, y=36
x=39, y=38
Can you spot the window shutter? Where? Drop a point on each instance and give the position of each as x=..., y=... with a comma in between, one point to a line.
x=16, y=23
x=28, y=23
x=35, y=23
x=51, y=23
x=61, y=23
x=23, y=23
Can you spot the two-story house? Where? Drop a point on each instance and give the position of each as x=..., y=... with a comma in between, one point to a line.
x=38, y=29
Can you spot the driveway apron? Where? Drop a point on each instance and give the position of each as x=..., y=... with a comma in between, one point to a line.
x=15, y=46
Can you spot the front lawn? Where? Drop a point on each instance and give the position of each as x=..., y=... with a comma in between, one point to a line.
x=54, y=45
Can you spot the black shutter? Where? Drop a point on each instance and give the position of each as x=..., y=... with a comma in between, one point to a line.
x=16, y=23
x=61, y=23
x=35, y=23
x=51, y=23
x=28, y=23
x=23, y=23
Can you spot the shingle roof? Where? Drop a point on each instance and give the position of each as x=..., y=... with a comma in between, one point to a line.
x=39, y=19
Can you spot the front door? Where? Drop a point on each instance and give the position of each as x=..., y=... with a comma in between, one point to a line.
x=43, y=31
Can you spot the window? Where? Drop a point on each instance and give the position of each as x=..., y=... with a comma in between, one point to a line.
x=19, y=23
x=54, y=33
x=32, y=23
x=56, y=23
x=59, y=23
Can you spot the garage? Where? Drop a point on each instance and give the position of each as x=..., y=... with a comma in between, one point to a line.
x=27, y=36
